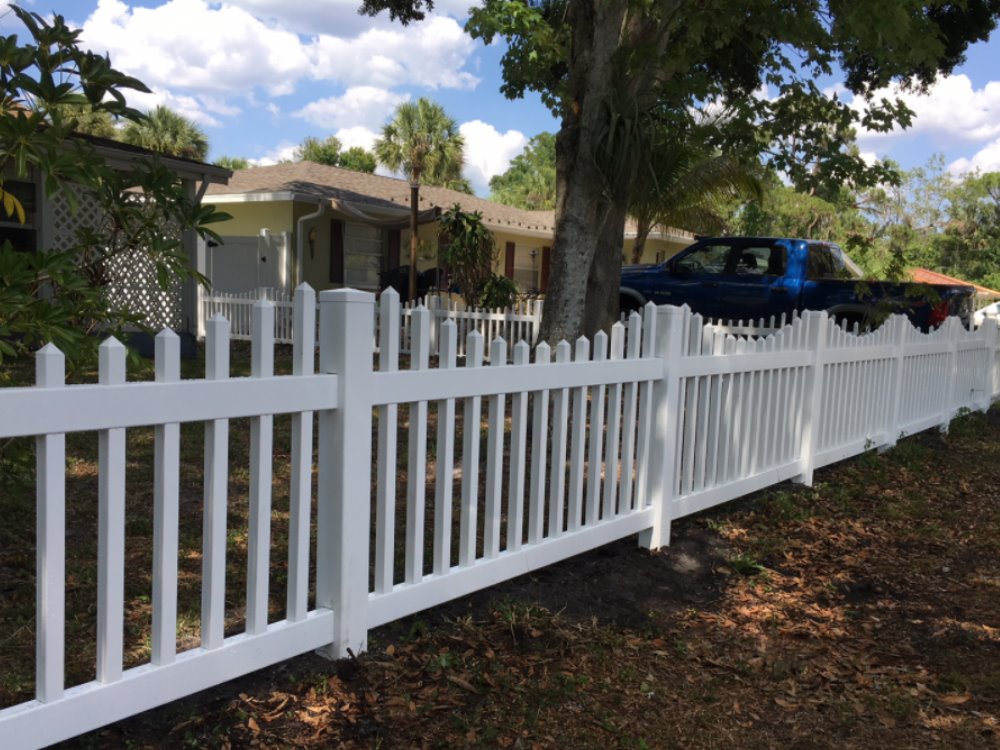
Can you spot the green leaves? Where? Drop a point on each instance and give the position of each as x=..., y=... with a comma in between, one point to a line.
x=530, y=180
x=423, y=142
x=50, y=85
x=470, y=251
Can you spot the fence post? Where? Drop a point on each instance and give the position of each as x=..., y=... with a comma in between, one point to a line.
x=951, y=326
x=536, y=322
x=662, y=457
x=816, y=334
x=345, y=458
x=989, y=329
x=899, y=360
x=433, y=307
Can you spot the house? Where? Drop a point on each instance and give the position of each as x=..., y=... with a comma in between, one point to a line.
x=52, y=225
x=334, y=227
x=984, y=295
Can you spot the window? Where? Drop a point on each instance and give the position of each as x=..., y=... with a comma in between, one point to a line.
x=829, y=262
x=22, y=237
x=362, y=255
x=707, y=259
x=761, y=261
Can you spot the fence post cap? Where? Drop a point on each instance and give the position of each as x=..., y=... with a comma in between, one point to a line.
x=346, y=296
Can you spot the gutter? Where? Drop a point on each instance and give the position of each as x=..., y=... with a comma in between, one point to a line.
x=321, y=204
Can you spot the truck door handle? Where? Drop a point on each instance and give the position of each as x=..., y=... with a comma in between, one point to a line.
x=710, y=284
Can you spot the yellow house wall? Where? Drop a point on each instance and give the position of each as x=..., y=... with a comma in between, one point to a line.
x=249, y=218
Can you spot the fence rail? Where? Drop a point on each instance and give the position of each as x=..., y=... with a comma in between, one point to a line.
x=470, y=478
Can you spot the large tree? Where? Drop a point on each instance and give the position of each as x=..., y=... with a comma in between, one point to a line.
x=422, y=142
x=169, y=133
x=615, y=71
x=330, y=151
x=530, y=180
x=969, y=247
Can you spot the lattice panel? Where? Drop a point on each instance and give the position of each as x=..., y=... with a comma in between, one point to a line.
x=132, y=284
x=65, y=223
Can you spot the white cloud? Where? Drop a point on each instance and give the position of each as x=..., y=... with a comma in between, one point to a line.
x=488, y=152
x=952, y=108
x=357, y=136
x=284, y=151
x=224, y=49
x=335, y=17
x=190, y=44
x=869, y=157
x=196, y=109
x=985, y=160
x=358, y=106
x=431, y=54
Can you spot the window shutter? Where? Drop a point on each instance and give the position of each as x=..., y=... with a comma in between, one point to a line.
x=395, y=241
x=336, y=251
x=508, y=261
x=544, y=285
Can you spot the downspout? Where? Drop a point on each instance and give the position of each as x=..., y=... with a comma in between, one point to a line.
x=300, y=238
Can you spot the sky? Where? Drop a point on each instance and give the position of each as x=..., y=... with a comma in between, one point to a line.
x=259, y=76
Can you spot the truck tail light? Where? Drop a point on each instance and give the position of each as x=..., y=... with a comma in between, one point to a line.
x=939, y=314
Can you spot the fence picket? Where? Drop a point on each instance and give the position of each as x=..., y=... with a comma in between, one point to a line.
x=385, y=508
x=578, y=443
x=518, y=456
x=166, y=511
x=645, y=407
x=560, y=426
x=596, y=448
x=111, y=527
x=416, y=485
x=539, y=449
x=444, y=460
x=494, y=457
x=50, y=570
x=470, y=458
x=216, y=483
x=630, y=404
x=300, y=489
x=611, y=458
x=261, y=452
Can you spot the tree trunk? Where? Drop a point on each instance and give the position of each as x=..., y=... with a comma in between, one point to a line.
x=642, y=230
x=604, y=279
x=583, y=206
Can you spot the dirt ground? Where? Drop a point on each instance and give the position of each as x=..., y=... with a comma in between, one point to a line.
x=860, y=613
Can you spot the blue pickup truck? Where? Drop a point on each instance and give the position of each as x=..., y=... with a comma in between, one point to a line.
x=744, y=278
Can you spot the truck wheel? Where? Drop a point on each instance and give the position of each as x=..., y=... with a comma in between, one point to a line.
x=849, y=320
x=628, y=305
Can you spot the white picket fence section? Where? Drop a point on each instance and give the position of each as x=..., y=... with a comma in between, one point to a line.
x=475, y=473
x=520, y=322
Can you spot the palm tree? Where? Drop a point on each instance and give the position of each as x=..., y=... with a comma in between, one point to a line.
x=423, y=142
x=168, y=132
x=687, y=185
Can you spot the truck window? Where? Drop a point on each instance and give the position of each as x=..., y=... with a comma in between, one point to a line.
x=762, y=260
x=707, y=259
x=829, y=262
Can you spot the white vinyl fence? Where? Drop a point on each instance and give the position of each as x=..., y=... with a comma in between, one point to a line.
x=520, y=322
x=475, y=474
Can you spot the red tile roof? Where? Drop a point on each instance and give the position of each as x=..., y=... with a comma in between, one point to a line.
x=926, y=276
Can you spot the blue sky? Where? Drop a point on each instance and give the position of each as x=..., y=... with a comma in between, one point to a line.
x=261, y=75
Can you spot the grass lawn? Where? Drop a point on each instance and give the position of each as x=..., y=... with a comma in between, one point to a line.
x=862, y=612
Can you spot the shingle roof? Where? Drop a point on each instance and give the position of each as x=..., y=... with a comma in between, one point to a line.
x=321, y=181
